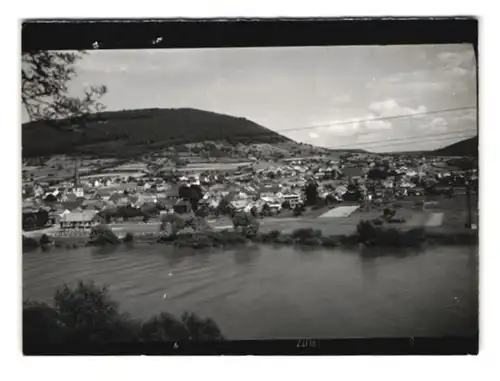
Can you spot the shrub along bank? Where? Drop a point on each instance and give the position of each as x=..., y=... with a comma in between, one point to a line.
x=83, y=318
x=368, y=233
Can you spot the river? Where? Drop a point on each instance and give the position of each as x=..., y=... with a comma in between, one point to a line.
x=278, y=293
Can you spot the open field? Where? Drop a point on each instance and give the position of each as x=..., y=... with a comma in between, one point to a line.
x=214, y=166
x=113, y=174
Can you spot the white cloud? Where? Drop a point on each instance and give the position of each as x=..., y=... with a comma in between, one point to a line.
x=344, y=98
x=458, y=64
x=439, y=122
x=447, y=56
x=470, y=115
x=390, y=108
x=345, y=127
x=372, y=121
x=378, y=125
x=439, y=125
x=457, y=58
x=458, y=71
x=313, y=135
x=414, y=81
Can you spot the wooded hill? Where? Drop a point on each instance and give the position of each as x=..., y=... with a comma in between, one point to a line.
x=467, y=147
x=134, y=132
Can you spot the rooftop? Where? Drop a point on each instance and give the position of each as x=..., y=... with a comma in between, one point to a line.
x=83, y=216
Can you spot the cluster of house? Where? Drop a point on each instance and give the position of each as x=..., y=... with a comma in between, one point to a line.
x=78, y=203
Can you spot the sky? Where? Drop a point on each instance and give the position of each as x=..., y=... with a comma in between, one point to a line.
x=298, y=88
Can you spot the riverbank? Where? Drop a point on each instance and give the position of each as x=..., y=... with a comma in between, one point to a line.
x=367, y=235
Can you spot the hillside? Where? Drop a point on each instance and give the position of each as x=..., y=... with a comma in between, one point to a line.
x=467, y=147
x=130, y=132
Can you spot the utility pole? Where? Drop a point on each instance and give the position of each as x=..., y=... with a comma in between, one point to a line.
x=468, y=223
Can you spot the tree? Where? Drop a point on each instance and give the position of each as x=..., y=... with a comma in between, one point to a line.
x=196, y=194
x=266, y=209
x=246, y=224
x=44, y=88
x=184, y=192
x=45, y=240
x=311, y=191
x=192, y=193
x=253, y=211
x=201, y=212
x=103, y=235
x=86, y=314
x=377, y=174
x=171, y=224
x=223, y=207
x=50, y=198
x=127, y=211
x=298, y=210
x=42, y=217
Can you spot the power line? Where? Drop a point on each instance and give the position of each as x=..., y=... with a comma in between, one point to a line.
x=403, y=139
x=384, y=144
x=404, y=143
x=378, y=119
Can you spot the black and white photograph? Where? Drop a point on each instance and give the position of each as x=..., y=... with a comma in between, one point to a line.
x=177, y=196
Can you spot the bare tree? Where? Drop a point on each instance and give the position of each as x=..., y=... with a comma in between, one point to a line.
x=44, y=87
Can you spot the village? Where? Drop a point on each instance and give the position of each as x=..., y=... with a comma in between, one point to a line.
x=193, y=195
x=135, y=193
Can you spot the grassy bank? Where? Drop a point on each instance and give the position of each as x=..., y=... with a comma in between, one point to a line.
x=368, y=234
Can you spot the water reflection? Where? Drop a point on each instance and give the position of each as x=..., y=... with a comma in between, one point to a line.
x=175, y=257
x=369, y=253
x=46, y=248
x=246, y=255
x=371, y=256
x=368, y=267
x=105, y=250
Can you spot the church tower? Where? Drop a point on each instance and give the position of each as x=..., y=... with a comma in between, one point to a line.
x=78, y=190
x=76, y=176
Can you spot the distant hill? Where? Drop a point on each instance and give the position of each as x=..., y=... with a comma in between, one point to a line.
x=467, y=147
x=138, y=131
x=349, y=151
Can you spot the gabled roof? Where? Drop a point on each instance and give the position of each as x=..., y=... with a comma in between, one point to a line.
x=354, y=171
x=172, y=191
x=133, y=199
x=115, y=197
x=71, y=205
x=217, y=187
x=274, y=188
x=161, y=195
x=104, y=192
x=83, y=216
x=239, y=204
x=70, y=197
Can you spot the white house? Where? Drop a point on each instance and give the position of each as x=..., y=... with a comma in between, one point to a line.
x=80, y=219
x=78, y=192
x=292, y=198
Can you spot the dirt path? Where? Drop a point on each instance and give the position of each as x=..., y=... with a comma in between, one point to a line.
x=340, y=211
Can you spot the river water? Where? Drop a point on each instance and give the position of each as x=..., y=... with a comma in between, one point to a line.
x=266, y=292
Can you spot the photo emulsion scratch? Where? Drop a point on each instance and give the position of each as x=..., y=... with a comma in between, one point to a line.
x=260, y=193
